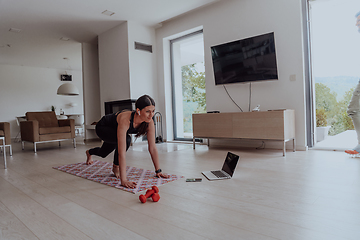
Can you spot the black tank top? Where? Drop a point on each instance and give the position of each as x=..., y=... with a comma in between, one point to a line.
x=131, y=129
x=110, y=121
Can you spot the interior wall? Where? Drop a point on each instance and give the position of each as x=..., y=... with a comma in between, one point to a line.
x=114, y=65
x=232, y=20
x=142, y=64
x=24, y=89
x=91, y=87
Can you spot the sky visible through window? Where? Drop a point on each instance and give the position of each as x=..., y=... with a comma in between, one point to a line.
x=335, y=38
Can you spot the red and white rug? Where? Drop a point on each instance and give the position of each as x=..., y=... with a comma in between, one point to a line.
x=102, y=172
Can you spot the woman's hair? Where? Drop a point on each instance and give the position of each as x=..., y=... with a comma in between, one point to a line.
x=141, y=103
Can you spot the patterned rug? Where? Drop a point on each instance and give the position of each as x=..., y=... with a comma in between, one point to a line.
x=102, y=172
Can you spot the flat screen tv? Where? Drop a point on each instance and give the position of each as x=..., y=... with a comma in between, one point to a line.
x=246, y=60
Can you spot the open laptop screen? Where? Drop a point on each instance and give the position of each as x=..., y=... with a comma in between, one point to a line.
x=230, y=163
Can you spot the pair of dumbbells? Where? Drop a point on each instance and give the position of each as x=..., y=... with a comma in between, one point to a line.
x=153, y=193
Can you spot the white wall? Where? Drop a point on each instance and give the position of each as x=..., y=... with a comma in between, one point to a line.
x=231, y=20
x=91, y=87
x=114, y=65
x=142, y=63
x=24, y=89
x=126, y=73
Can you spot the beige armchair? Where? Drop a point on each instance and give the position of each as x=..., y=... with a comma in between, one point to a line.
x=5, y=132
x=41, y=127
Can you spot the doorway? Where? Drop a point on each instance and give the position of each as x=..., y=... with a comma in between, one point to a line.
x=335, y=49
x=188, y=82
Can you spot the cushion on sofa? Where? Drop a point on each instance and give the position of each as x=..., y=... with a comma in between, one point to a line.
x=45, y=119
x=50, y=130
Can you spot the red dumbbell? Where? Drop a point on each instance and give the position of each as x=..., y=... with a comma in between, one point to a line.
x=153, y=193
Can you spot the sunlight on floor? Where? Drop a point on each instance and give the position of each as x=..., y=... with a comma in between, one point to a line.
x=340, y=142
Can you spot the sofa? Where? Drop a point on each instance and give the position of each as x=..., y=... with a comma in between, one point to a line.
x=41, y=127
x=5, y=132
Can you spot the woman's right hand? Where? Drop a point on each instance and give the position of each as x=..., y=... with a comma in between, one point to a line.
x=128, y=184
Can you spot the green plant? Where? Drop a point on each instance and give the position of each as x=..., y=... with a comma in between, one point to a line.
x=53, y=108
x=348, y=122
x=335, y=110
x=321, y=118
x=194, y=94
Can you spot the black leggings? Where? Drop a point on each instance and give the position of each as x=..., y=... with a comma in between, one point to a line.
x=109, y=136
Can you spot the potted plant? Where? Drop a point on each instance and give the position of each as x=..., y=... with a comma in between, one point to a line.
x=322, y=130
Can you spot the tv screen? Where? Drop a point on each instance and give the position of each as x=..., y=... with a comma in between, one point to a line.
x=245, y=60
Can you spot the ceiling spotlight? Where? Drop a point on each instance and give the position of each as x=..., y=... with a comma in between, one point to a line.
x=15, y=30
x=64, y=39
x=108, y=13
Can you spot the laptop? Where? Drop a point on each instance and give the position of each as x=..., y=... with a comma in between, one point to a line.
x=227, y=170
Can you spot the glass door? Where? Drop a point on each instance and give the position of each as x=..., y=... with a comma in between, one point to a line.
x=188, y=82
x=335, y=44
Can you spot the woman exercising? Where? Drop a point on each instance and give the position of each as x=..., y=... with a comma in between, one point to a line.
x=115, y=129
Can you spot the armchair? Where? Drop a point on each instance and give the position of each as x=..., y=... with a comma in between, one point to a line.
x=41, y=127
x=5, y=132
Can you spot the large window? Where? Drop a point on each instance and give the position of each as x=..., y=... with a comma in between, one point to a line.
x=188, y=82
x=335, y=45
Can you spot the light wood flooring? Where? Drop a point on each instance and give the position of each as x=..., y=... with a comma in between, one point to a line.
x=305, y=195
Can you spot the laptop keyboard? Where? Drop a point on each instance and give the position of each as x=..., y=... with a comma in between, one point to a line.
x=218, y=174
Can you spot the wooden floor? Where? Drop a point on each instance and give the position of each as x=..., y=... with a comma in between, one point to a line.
x=305, y=195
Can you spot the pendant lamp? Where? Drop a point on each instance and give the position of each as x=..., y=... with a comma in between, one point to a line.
x=68, y=89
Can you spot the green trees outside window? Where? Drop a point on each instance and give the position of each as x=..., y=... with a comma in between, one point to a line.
x=330, y=111
x=194, y=95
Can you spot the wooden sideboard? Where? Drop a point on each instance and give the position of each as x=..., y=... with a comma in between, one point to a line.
x=276, y=125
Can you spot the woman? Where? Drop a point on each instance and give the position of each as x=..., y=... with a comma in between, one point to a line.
x=114, y=130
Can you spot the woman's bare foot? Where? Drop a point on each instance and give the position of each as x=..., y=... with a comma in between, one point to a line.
x=89, y=161
x=116, y=171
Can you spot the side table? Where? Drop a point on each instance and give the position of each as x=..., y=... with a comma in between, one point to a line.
x=4, y=150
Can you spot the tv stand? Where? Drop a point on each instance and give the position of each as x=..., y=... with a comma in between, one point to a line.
x=277, y=125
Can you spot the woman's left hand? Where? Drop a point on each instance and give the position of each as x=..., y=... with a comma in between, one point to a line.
x=162, y=175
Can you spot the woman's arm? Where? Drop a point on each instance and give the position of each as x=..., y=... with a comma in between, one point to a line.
x=153, y=149
x=123, y=125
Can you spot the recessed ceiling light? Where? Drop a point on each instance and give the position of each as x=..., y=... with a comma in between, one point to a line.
x=64, y=39
x=108, y=13
x=15, y=30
